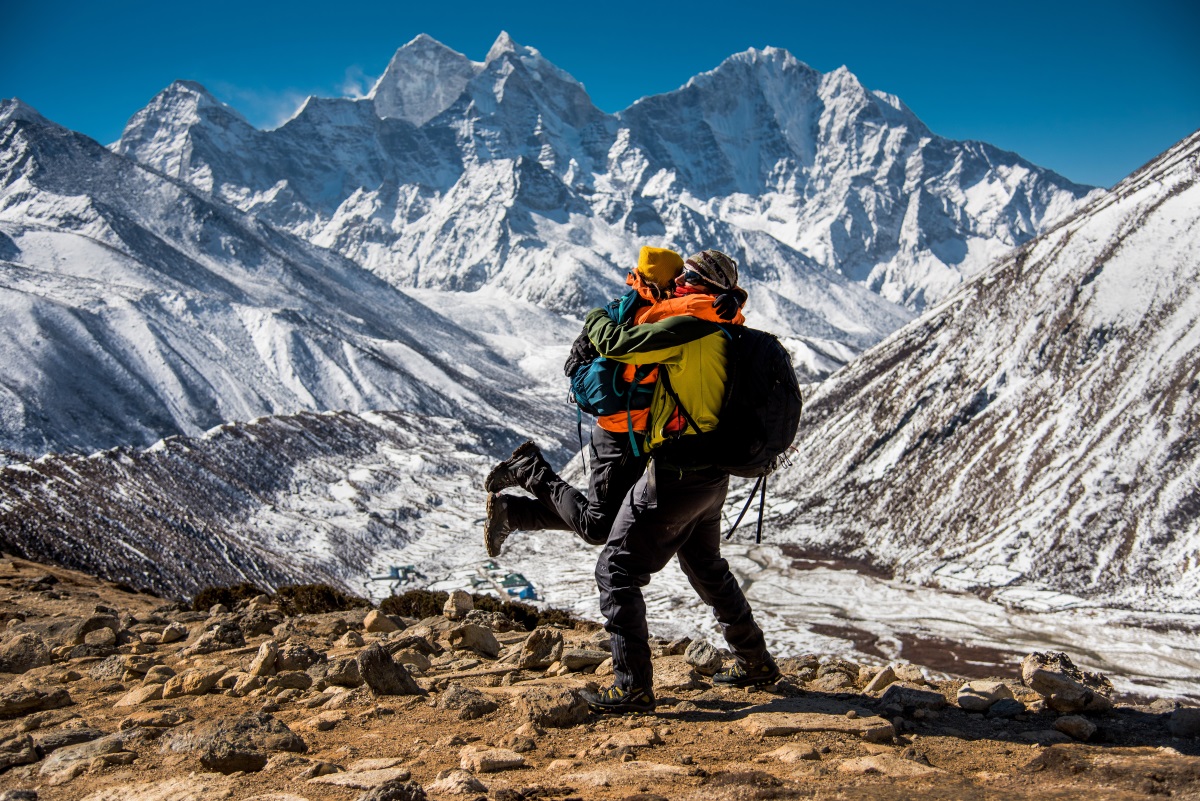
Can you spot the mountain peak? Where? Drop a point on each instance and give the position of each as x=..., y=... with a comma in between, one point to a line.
x=503, y=44
x=422, y=80
x=17, y=109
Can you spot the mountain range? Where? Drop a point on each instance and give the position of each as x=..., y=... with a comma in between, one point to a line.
x=1041, y=427
x=426, y=251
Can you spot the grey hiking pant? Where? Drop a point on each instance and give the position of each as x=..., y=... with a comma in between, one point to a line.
x=670, y=514
x=559, y=506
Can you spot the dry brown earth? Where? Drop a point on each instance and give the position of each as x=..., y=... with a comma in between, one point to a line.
x=486, y=728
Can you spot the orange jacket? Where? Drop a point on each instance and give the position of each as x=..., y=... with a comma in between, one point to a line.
x=699, y=306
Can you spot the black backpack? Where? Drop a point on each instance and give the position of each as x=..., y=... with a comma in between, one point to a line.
x=760, y=414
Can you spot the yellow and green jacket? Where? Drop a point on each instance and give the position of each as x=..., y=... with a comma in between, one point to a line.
x=691, y=350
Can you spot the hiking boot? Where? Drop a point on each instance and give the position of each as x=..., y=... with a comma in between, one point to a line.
x=518, y=470
x=497, y=528
x=616, y=701
x=749, y=675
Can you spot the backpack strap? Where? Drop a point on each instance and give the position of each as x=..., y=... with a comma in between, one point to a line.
x=760, y=486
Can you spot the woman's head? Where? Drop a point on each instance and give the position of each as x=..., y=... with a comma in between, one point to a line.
x=711, y=269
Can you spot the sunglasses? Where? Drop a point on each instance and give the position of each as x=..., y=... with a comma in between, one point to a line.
x=692, y=277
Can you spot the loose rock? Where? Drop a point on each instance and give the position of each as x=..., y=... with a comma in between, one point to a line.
x=978, y=696
x=1065, y=687
x=383, y=675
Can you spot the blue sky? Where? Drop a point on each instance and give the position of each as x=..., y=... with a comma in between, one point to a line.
x=1092, y=90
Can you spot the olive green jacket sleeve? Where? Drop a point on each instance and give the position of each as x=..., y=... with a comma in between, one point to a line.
x=648, y=343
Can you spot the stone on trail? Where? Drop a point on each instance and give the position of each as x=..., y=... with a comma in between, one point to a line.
x=1076, y=726
x=703, y=656
x=471, y=637
x=790, y=753
x=196, y=681
x=576, y=659
x=1184, y=722
x=551, y=707
x=377, y=622
x=141, y=695
x=19, y=750
x=542, y=648
x=263, y=663
x=458, y=782
x=978, y=696
x=457, y=605
x=886, y=765
x=469, y=702
x=909, y=697
x=395, y=790
x=673, y=674
x=364, y=779
x=228, y=746
x=23, y=652
x=489, y=760
x=383, y=675
x=18, y=699
x=881, y=680
x=1065, y=687
x=67, y=763
x=781, y=724
x=1006, y=708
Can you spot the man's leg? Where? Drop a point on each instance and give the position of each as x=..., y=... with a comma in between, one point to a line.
x=709, y=574
x=647, y=532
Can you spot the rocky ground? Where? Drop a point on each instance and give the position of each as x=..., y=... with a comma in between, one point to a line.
x=110, y=694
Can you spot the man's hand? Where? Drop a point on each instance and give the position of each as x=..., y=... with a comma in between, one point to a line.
x=726, y=305
x=582, y=352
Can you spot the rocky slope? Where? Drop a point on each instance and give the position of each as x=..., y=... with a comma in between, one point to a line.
x=113, y=695
x=1039, y=428
x=135, y=307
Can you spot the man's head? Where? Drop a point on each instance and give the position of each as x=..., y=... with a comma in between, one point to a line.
x=713, y=268
x=659, y=266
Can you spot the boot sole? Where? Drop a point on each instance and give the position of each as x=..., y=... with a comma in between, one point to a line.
x=497, y=480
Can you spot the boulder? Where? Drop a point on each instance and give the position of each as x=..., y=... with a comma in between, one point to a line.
x=66, y=763
x=458, y=782
x=489, y=760
x=238, y=744
x=174, y=632
x=395, y=790
x=1184, y=722
x=377, y=622
x=543, y=647
x=383, y=675
x=458, y=605
x=469, y=702
x=141, y=695
x=23, y=652
x=881, y=680
x=470, y=637
x=221, y=636
x=1065, y=687
x=341, y=671
x=703, y=656
x=413, y=659
x=576, y=659
x=297, y=656
x=19, y=750
x=551, y=707
x=77, y=634
x=351, y=639
x=17, y=700
x=1076, y=726
x=263, y=663
x=910, y=697
x=978, y=696
x=196, y=681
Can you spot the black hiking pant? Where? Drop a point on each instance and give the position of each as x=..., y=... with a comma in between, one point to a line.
x=561, y=507
x=670, y=514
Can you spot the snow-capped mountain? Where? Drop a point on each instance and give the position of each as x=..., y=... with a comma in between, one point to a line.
x=459, y=175
x=280, y=500
x=1041, y=427
x=135, y=306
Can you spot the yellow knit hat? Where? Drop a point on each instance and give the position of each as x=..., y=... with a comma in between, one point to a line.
x=659, y=266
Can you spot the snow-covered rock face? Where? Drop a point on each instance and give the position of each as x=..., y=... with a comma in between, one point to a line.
x=459, y=174
x=135, y=307
x=1039, y=428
